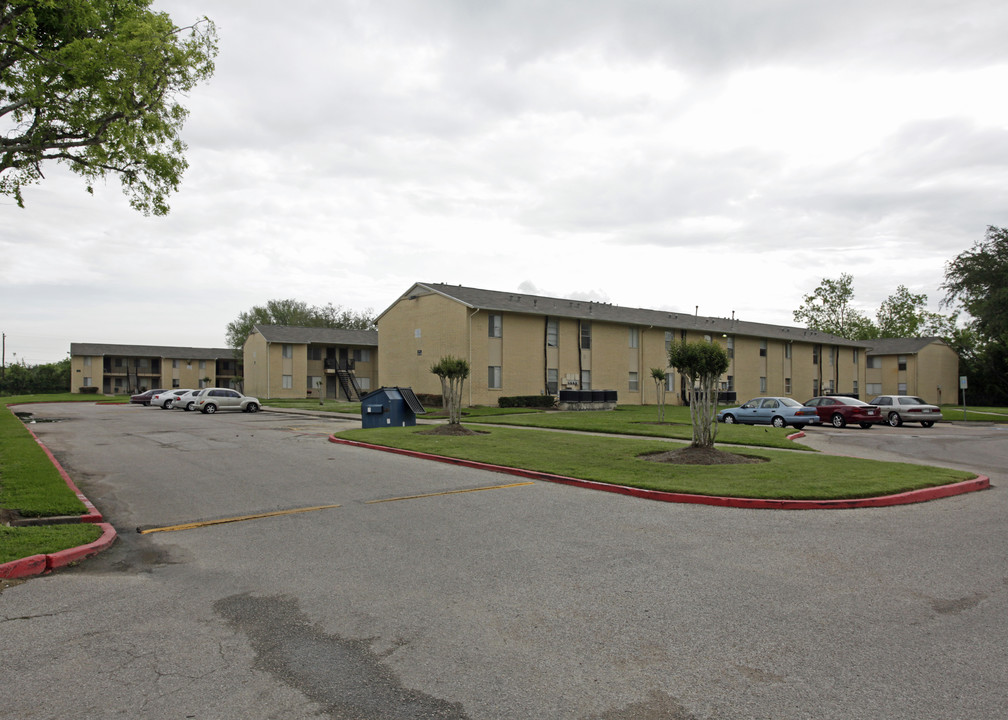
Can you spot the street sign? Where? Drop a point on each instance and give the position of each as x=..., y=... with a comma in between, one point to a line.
x=962, y=382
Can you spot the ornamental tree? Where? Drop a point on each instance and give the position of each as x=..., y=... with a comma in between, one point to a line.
x=702, y=364
x=453, y=372
x=94, y=84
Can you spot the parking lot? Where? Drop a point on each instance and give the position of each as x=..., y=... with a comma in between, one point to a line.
x=359, y=584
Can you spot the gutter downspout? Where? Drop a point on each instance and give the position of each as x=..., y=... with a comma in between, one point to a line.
x=471, y=315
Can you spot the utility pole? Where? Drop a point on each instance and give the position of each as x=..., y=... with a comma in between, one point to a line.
x=3, y=358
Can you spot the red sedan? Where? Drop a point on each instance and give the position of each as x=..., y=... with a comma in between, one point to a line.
x=838, y=410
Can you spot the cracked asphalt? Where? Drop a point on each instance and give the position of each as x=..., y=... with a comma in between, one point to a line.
x=533, y=601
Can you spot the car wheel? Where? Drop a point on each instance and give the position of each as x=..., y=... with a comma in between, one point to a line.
x=189, y=406
x=865, y=426
x=209, y=409
x=728, y=419
x=778, y=422
x=895, y=420
x=798, y=427
x=146, y=403
x=927, y=423
x=838, y=420
x=252, y=407
x=167, y=405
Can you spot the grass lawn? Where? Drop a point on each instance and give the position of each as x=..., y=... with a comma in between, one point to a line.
x=643, y=420
x=975, y=414
x=617, y=460
x=22, y=542
x=29, y=483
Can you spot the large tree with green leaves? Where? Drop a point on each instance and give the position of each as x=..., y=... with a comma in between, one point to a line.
x=95, y=84
x=977, y=280
x=829, y=309
x=702, y=364
x=296, y=313
x=905, y=315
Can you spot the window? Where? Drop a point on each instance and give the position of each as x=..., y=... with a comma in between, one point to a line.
x=787, y=384
x=634, y=337
x=730, y=385
x=362, y=355
x=314, y=382
x=831, y=351
x=815, y=354
x=175, y=382
x=364, y=382
x=87, y=381
x=552, y=333
x=874, y=362
x=586, y=379
x=815, y=386
x=668, y=341
x=118, y=363
x=496, y=321
x=901, y=362
x=87, y=361
x=202, y=365
x=494, y=377
x=762, y=384
x=874, y=388
x=854, y=389
x=669, y=380
x=585, y=335
x=174, y=363
x=287, y=351
x=314, y=352
x=633, y=385
x=855, y=353
x=288, y=382
x=552, y=380
x=730, y=346
x=706, y=338
x=762, y=352
x=787, y=350
x=901, y=389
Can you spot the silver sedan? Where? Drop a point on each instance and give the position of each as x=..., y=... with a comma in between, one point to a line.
x=898, y=409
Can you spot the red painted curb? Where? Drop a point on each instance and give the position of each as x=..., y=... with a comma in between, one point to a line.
x=25, y=567
x=980, y=482
x=41, y=564
x=65, y=557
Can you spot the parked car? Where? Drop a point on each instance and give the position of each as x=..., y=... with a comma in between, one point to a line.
x=777, y=411
x=840, y=410
x=187, y=401
x=214, y=399
x=909, y=408
x=166, y=398
x=144, y=398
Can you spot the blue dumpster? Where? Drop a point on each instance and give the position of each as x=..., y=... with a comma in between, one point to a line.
x=390, y=407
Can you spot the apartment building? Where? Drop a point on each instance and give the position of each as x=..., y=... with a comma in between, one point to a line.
x=519, y=344
x=926, y=367
x=299, y=362
x=125, y=369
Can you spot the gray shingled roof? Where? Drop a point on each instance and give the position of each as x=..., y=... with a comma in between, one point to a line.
x=161, y=351
x=606, y=312
x=900, y=346
x=310, y=335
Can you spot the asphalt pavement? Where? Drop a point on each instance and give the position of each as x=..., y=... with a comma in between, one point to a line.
x=429, y=590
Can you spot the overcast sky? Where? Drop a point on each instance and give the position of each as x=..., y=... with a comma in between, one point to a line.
x=649, y=153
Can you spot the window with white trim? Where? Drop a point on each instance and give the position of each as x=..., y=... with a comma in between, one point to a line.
x=495, y=325
x=287, y=351
x=634, y=339
x=634, y=383
x=494, y=377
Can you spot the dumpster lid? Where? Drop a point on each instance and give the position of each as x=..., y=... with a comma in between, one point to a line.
x=412, y=400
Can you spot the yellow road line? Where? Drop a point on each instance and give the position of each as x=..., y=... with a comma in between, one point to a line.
x=450, y=492
x=240, y=518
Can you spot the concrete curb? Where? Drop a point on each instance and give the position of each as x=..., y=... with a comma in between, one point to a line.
x=41, y=564
x=92, y=515
x=980, y=482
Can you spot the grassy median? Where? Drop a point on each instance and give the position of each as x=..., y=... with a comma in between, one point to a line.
x=623, y=461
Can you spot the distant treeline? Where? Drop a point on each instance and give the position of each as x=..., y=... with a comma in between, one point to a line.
x=21, y=379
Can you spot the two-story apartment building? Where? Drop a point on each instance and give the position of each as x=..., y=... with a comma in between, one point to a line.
x=297, y=362
x=519, y=344
x=118, y=369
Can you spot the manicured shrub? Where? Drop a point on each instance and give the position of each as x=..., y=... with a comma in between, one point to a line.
x=527, y=401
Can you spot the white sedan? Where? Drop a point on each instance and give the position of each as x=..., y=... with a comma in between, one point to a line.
x=187, y=401
x=166, y=398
